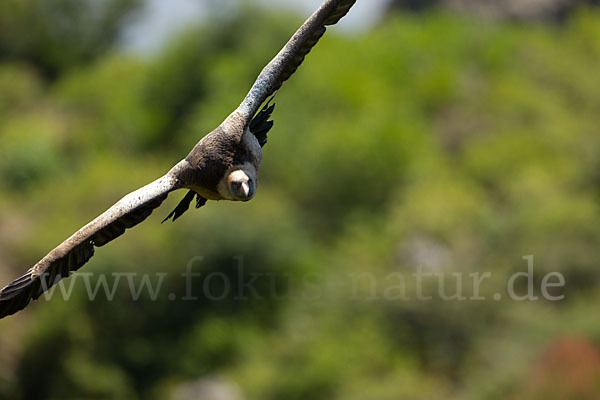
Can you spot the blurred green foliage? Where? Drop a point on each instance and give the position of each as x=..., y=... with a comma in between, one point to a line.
x=58, y=35
x=435, y=140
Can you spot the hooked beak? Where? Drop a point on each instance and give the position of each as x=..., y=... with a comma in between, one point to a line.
x=246, y=189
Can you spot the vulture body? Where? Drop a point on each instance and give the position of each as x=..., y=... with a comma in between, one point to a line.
x=222, y=166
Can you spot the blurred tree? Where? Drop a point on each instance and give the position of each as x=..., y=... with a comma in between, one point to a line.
x=552, y=10
x=568, y=369
x=60, y=34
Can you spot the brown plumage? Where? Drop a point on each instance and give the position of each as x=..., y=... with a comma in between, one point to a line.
x=222, y=166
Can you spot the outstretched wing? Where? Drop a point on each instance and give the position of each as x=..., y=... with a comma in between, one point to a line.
x=291, y=56
x=79, y=248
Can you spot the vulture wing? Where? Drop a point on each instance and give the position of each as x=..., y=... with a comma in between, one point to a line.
x=292, y=55
x=79, y=248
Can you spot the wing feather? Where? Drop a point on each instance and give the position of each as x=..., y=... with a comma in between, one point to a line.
x=184, y=205
x=261, y=125
x=292, y=55
x=74, y=252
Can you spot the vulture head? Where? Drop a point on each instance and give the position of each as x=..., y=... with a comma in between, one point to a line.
x=240, y=185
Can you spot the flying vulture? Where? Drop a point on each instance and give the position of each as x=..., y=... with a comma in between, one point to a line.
x=222, y=166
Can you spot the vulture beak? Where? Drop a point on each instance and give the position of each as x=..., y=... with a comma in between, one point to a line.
x=246, y=189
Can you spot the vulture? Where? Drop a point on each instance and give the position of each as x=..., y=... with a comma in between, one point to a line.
x=222, y=166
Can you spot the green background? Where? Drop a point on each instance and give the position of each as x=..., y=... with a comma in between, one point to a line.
x=444, y=141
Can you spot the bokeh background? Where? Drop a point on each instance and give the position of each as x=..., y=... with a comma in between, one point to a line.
x=456, y=136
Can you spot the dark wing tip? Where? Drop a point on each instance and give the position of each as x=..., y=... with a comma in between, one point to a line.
x=184, y=205
x=15, y=296
x=16, y=302
x=200, y=201
x=261, y=125
x=13, y=290
x=19, y=293
x=342, y=9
